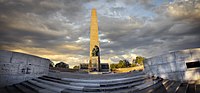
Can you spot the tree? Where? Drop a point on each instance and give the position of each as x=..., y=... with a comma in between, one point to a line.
x=133, y=65
x=51, y=64
x=76, y=67
x=62, y=65
x=127, y=63
x=123, y=64
x=113, y=66
x=133, y=61
x=139, y=60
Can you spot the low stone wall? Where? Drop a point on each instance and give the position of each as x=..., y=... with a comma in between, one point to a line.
x=17, y=67
x=63, y=69
x=128, y=69
x=173, y=65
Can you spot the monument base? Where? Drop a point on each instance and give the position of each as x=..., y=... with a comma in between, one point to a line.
x=94, y=65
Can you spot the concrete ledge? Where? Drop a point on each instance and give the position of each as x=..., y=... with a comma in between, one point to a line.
x=103, y=81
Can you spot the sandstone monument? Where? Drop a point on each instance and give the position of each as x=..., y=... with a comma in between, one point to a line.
x=94, y=61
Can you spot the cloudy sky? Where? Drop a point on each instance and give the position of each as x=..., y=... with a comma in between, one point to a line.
x=59, y=29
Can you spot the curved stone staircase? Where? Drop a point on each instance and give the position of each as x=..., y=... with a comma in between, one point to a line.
x=136, y=83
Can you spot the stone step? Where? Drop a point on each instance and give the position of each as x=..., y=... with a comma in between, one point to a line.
x=173, y=87
x=123, y=82
x=191, y=88
x=103, y=80
x=107, y=84
x=45, y=88
x=157, y=87
x=138, y=85
x=3, y=90
x=133, y=89
x=12, y=89
x=60, y=85
x=182, y=88
x=99, y=88
x=70, y=83
x=168, y=84
x=165, y=81
x=31, y=86
x=92, y=76
x=95, y=84
x=111, y=88
x=147, y=84
x=35, y=88
x=197, y=88
x=24, y=89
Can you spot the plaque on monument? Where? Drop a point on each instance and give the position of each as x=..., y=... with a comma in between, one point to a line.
x=94, y=62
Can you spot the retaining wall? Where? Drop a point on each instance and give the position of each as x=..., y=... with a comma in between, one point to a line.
x=17, y=67
x=173, y=65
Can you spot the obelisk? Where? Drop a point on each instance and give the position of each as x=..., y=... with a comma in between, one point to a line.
x=94, y=62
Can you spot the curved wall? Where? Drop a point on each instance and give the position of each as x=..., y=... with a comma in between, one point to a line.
x=17, y=67
x=173, y=65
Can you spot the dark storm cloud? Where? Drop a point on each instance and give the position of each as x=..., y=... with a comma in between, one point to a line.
x=173, y=34
x=167, y=32
x=40, y=23
x=62, y=27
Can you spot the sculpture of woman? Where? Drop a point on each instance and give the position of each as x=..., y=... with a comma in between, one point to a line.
x=95, y=51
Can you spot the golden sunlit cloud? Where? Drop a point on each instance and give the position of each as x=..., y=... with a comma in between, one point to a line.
x=184, y=10
x=72, y=47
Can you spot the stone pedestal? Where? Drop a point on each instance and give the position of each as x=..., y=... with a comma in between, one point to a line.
x=94, y=64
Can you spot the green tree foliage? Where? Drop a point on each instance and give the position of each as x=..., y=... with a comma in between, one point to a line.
x=113, y=66
x=76, y=67
x=133, y=65
x=139, y=60
x=84, y=66
x=121, y=64
x=133, y=61
x=62, y=65
x=51, y=64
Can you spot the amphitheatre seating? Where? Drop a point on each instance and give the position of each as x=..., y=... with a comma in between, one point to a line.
x=133, y=82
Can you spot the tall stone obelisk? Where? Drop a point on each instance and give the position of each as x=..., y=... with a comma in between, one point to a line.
x=94, y=63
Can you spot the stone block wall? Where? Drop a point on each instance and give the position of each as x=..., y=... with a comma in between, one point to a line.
x=173, y=65
x=17, y=67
